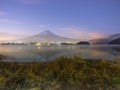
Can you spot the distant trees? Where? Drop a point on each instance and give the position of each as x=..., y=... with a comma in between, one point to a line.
x=83, y=43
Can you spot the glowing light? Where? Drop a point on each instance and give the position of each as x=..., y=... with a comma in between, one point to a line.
x=38, y=44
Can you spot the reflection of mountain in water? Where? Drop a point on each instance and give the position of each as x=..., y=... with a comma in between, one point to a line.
x=45, y=53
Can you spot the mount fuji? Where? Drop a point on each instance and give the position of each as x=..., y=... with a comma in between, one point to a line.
x=45, y=37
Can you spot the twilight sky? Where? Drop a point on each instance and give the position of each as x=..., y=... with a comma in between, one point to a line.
x=80, y=19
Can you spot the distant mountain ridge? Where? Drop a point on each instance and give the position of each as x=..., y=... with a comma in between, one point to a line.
x=49, y=37
x=105, y=40
x=115, y=41
x=45, y=36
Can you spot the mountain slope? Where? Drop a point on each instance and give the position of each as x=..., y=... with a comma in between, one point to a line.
x=105, y=40
x=116, y=41
x=45, y=36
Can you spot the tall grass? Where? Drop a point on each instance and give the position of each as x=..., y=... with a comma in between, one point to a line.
x=3, y=57
x=61, y=74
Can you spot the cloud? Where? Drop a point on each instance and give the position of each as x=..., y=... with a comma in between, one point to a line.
x=8, y=21
x=2, y=13
x=9, y=36
x=30, y=1
x=82, y=33
x=98, y=35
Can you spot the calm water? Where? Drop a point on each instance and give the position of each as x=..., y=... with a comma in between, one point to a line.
x=28, y=53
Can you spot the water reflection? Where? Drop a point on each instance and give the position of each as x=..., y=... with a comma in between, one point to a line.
x=45, y=53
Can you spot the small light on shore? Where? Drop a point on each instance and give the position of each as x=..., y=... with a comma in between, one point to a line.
x=38, y=44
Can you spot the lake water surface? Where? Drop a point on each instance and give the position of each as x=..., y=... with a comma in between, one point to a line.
x=31, y=53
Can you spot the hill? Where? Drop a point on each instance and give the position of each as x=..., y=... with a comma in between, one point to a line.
x=105, y=40
x=116, y=41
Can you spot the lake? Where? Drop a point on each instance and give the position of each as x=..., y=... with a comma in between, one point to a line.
x=32, y=53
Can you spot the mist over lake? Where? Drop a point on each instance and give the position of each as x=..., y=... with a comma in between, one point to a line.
x=32, y=53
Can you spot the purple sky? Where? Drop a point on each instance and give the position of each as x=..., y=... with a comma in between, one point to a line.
x=81, y=19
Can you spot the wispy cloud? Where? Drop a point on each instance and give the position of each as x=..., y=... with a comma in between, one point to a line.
x=8, y=21
x=9, y=36
x=31, y=1
x=2, y=13
x=82, y=33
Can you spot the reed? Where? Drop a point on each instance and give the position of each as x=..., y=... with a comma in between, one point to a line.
x=61, y=74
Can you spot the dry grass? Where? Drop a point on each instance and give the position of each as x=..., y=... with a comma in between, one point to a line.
x=61, y=74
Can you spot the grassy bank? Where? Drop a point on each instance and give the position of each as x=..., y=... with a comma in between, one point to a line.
x=61, y=74
x=2, y=57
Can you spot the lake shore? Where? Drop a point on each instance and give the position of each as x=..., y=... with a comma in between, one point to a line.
x=61, y=74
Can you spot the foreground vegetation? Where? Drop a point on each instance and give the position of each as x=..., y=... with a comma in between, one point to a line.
x=2, y=57
x=61, y=74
